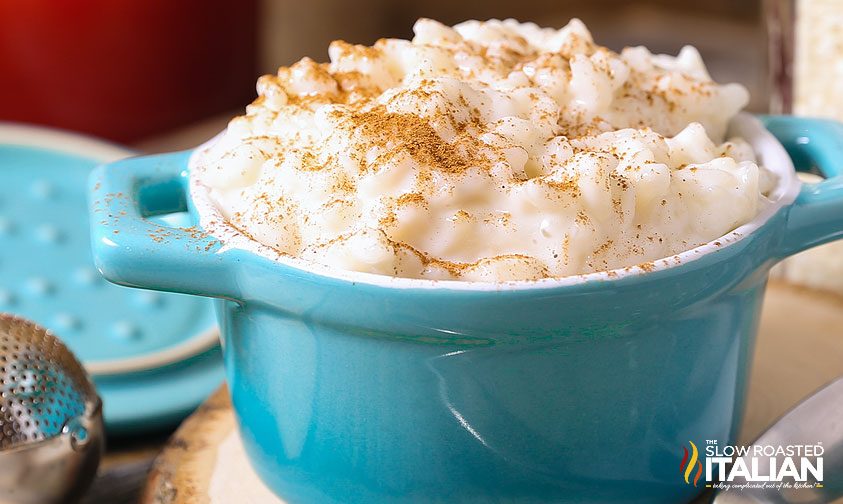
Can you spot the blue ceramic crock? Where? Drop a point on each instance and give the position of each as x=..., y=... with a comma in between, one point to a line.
x=359, y=389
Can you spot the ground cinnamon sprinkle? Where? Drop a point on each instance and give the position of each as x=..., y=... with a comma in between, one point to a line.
x=415, y=135
x=492, y=148
x=411, y=198
x=603, y=248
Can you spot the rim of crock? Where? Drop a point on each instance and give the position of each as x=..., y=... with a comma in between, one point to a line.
x=768, y=150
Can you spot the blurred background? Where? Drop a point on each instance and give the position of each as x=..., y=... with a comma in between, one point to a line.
x=134, y=70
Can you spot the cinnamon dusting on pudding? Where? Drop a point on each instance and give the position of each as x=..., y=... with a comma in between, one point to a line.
x=415, y=135
x=490, y=151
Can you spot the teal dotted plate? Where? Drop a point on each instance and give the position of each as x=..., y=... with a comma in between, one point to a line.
x=153, y=356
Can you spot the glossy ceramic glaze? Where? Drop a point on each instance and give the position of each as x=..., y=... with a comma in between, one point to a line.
x=153, y=356
x=357, y=391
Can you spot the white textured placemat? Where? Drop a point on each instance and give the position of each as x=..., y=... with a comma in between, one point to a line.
x=234, y=480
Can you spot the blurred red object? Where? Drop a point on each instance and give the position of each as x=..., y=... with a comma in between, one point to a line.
x=125, y=69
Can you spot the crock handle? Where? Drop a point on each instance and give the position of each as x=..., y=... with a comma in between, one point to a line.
x=131, y=250
x=816, y=217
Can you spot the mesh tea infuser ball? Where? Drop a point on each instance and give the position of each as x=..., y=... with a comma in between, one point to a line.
x=51, y=431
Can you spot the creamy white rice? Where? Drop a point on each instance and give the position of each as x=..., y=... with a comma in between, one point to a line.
x=489, y=151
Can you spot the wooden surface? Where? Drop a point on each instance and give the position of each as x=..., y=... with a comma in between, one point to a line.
x=799, y=348
x=182, y=472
